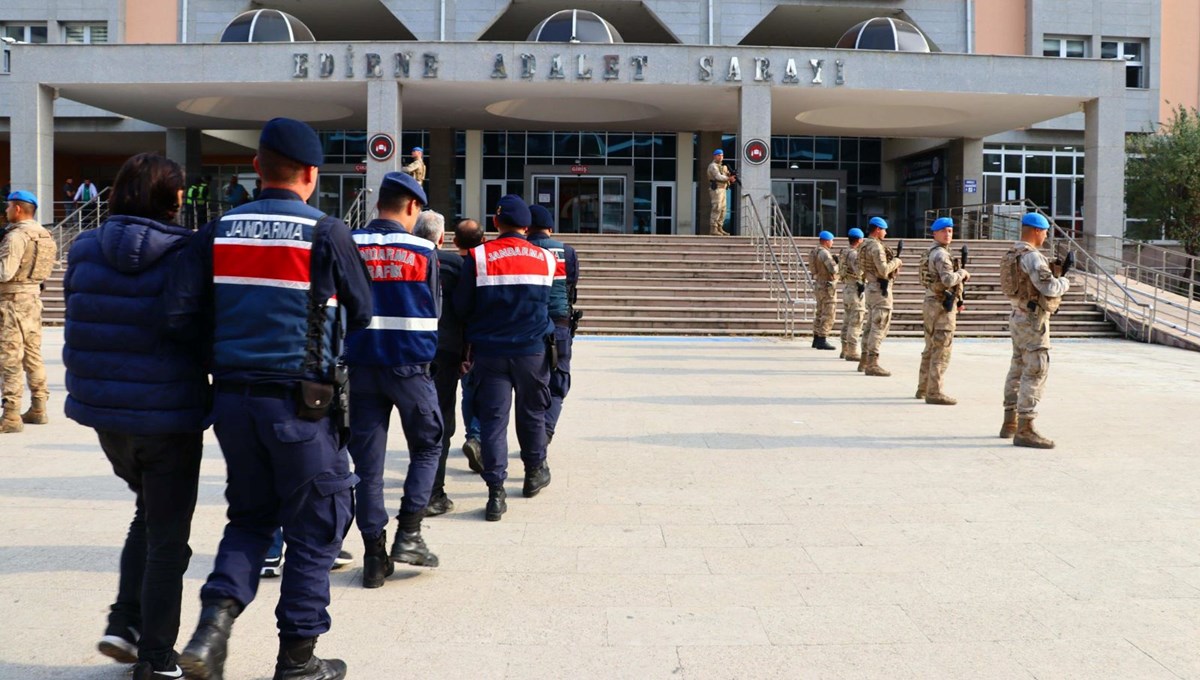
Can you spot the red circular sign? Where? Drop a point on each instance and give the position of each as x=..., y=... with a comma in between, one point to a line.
x=756, y=152
x=381, y=146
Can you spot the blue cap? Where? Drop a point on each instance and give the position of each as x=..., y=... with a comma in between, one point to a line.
x=1034, y=220
x=399, y=181
x=941, y=223
x=719, y=152
x=512, y=211
x=417, y=148
x=26, y=196
x=540, y=217
x=878, y=222
x=292, y=139
x=855, y=233
x=825, y=236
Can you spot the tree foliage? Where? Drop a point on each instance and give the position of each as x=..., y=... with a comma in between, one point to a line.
x=1163, y=178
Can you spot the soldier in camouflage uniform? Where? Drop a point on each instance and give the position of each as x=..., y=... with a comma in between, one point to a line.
x=879, y=266
x=940, y=273
x=27, y=254
x=823, y=266
x=719, y=179
x=417, y=167
x=1035, y=289
x=850, y=276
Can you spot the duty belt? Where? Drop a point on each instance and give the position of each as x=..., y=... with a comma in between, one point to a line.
x=263, y=390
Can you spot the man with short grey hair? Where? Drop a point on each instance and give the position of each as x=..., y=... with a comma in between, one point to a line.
x=431, y=226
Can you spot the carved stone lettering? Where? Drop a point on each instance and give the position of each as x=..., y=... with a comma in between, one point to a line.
x=403, y=61
x=818, y=67
x=528, y=66
x=299, y=65
x=841, y=72
x=374, y=67
x=325, y=64
x=498, y=69
x=706, y=68
x=556, y=68
x=734, y=74
x=582, y=70
x=349, y=61
x=762, y=69
x=612, y=66
x=639, y=66
x=431, y=65
x=790, y=74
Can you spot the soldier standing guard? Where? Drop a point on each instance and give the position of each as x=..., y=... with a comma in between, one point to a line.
x=273, y=282
x=1035, y=289
x=940, y=274
x=879, y=266
x=417, y=167
x=719, y=179
x=27, y=256
x=824, y=271
x=851, y=278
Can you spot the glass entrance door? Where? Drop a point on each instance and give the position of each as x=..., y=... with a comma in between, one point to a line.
x=809, y=205
x=583, y=204
x=336, y=193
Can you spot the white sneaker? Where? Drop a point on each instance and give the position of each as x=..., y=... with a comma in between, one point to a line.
x=120, y=648
x=272, y=567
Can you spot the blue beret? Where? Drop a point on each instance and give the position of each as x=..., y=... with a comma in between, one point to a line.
x=878, y=222
x=292, y=139
x=855, y=233
x=540, y=217
x=719, y=152
x=399, y=181
x=512, y=211
x=825, y=236
x=941, y=223
x=417, y=148
x=1035, y=220
x=25, y=196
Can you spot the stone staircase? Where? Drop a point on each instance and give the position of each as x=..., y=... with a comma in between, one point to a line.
x=704, y=285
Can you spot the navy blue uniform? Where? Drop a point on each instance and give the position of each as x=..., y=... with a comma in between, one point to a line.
x=562, y=297
x=390, y=368
x=266, y=280
x=504, y=293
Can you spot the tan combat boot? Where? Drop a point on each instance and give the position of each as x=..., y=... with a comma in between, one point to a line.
x=1027, y=436
x=920, y=393
x=1009, y=429
x=874, y=369
x=862, y=362
x=36, y=415
x=11, y=422
x=940, y=400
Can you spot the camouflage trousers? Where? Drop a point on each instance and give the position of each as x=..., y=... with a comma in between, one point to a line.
x=1030, y=361
x=939, y=339
x=826, y=309
x=716, y=222
x=879, y=318
x=852, y=318
x=21, y=348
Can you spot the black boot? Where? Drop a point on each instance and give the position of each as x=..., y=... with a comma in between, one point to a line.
x=536, y=480
x=377, y=564
x=496, y=505
x=297, y=662
x=814, y=342
x=204, y=656
x=821, y=343
x=409, y=547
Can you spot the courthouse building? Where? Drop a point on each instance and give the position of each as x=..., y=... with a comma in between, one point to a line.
x=840, y=109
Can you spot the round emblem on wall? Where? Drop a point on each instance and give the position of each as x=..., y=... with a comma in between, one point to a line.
x=381, y=146
x=756, y=152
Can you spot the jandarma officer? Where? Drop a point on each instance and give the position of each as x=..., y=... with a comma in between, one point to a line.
x=562, y=296
x=389, y=369
x=504, y=295
x=273, y=276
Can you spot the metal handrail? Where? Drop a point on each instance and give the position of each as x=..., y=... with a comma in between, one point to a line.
x=999, y=220
x=356, y=214
x=1100, y=282
x=773, y=270
x=88, y=215
x=781, y=229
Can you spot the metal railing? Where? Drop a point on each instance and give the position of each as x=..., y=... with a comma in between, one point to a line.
x=794, y=264
x=356, y=215
x=773, y=270
x=994, y=221
x=87, y=215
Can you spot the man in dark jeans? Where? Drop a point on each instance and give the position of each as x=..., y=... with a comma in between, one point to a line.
x=450, y=351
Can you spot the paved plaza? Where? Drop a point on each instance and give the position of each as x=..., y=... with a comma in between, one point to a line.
x=720, y=509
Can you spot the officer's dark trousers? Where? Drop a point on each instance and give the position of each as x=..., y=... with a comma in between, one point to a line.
x=560, y=377
x=495, y=379
x=163, y=471
x=445, y=380
x=282, y=471
x=374, y=392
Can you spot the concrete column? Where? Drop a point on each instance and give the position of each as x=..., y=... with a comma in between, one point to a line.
x=383, y=115
x=685, y=210
x=183, y=147
x=709, y=142
x=1104, y=174
x=473, y=179
x=31, y=155
x=754, y=122
x=965, y=162
x=439, y=181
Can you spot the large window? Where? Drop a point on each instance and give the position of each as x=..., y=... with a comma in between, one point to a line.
x=26, y=33
x=85, y=34
x=1050, y=176
x=1074, y=47
x=860, y=157
x=1133, y=52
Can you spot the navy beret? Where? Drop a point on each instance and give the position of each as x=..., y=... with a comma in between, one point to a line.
x=540, y=218
x=403, y=182
x=292, y=139
x=512, y=211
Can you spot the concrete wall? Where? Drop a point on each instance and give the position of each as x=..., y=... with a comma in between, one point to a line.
x=55, y=13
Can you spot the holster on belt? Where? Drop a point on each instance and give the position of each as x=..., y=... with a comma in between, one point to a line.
x=552, y=351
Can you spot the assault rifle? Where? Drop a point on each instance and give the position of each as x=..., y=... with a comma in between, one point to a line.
x=884, y=283
x=958, y=293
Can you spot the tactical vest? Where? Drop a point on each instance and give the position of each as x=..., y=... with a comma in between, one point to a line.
x=866, y=258
x=1016, y=284
x=513, y=279
x=818, y=269
x=929, y=278
x=848, y=266
x=40, y=253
